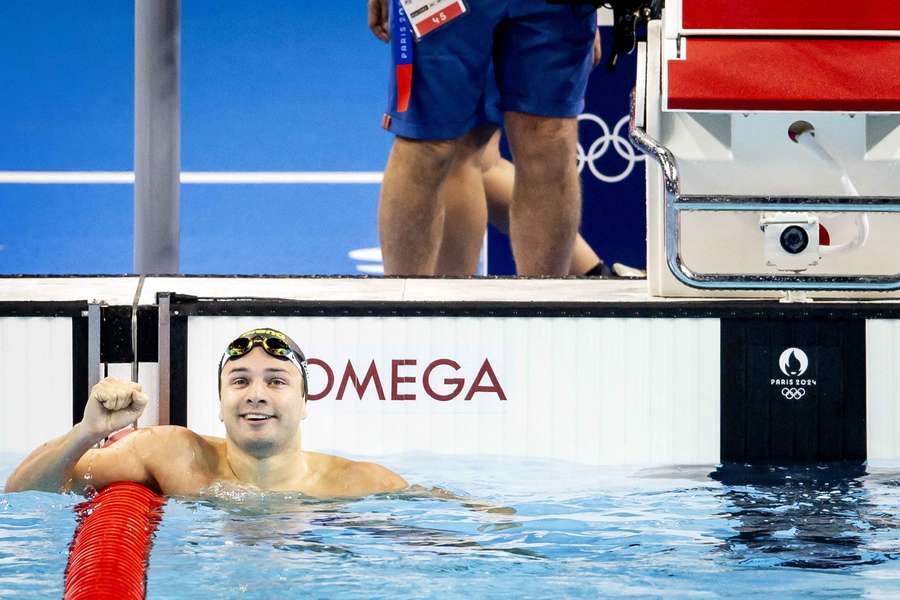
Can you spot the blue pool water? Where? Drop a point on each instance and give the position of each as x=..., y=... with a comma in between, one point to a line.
x=577, y=532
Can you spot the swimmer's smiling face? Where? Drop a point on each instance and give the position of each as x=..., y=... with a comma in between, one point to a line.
x=261, y=402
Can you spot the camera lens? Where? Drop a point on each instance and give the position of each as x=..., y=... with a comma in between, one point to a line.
x=794, y=239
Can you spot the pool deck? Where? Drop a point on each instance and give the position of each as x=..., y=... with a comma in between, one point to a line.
x=120, y=290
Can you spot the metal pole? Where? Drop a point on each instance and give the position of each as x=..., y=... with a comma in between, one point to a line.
x=157, y=132
x=135, y=304
x=93, y=360
x=164, y=342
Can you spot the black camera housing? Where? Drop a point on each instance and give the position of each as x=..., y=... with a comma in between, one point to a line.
x=794, y=239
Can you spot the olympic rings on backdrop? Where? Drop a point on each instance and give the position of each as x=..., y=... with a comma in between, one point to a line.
x=598, y=148
x=793, y=393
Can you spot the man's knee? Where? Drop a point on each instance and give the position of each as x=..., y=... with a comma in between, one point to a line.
x=434, y=155
x=543, y=141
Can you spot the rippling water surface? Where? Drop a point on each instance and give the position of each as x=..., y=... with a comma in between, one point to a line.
x=526, y=529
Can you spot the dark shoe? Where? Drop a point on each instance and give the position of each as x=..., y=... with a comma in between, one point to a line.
x=618, y=271
x=599, y=270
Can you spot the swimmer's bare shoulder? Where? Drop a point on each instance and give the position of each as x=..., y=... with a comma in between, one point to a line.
x=337, y=477
x=184, y=462
x=176, y=461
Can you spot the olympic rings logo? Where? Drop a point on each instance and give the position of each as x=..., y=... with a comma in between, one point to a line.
x=793, y=393
x=620, y=144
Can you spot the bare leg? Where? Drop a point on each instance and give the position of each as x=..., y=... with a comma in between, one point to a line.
x=499, y=175
x=410, y=217
x=547, y=194
x=465, y=212
x=583, y=257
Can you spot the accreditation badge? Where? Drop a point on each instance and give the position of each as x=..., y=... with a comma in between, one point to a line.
x=426, y=16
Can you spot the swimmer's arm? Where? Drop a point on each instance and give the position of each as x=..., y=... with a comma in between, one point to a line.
x=49, y=467
x=71, y=464
x=61, y=464
x=125, y=460
x=364, y=478
x=471, y=503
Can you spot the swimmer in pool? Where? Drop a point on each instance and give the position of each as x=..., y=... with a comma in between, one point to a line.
x=262, y=399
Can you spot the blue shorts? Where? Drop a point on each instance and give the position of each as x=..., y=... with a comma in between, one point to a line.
x=491, y=102
x=541, y=56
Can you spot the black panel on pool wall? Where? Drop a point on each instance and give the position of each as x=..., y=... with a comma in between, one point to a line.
x=793, y=390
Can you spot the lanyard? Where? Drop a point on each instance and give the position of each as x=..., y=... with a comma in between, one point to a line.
x=402, y=45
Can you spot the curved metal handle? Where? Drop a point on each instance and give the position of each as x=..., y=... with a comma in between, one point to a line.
x=675, y=203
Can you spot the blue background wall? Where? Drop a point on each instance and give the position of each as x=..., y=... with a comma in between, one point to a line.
x=272, y=85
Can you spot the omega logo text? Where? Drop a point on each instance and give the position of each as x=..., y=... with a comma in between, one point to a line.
x=442, y=379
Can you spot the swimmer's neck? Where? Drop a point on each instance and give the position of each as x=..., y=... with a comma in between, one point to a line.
x=267, y=471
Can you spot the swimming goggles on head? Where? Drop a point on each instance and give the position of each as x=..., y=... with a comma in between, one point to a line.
x=273, y=342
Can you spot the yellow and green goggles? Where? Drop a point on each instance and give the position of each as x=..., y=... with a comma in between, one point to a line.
x=273, y=342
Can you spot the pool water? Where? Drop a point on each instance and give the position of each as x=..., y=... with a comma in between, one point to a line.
x=577, y=532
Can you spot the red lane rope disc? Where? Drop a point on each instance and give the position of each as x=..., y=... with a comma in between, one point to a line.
x=109, y=553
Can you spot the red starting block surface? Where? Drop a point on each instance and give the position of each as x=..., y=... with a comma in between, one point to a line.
x=786, y=74
x=865, y=15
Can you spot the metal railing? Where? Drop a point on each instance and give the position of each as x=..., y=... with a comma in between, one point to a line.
x=676, y=203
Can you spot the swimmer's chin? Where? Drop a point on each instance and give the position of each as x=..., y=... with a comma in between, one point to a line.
x=260, y=448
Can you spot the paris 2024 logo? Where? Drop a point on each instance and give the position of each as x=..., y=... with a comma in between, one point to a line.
x=793, y=363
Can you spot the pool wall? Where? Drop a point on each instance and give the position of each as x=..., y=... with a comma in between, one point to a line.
x=590, y=371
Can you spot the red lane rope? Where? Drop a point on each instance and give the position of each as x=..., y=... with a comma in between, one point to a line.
x=109, y=553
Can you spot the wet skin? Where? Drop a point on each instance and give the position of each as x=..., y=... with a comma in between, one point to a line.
x=262, y=403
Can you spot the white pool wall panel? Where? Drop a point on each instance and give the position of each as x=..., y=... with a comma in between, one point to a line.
x=35, y=381
x=883, y=389
x=592, y=390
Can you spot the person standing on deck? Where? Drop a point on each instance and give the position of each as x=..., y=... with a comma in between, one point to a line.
x=542, y=55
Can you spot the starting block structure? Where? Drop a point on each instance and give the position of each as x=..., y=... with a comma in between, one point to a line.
x=775, y=129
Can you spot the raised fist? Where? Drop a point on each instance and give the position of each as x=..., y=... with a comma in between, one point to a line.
x=113, y=404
